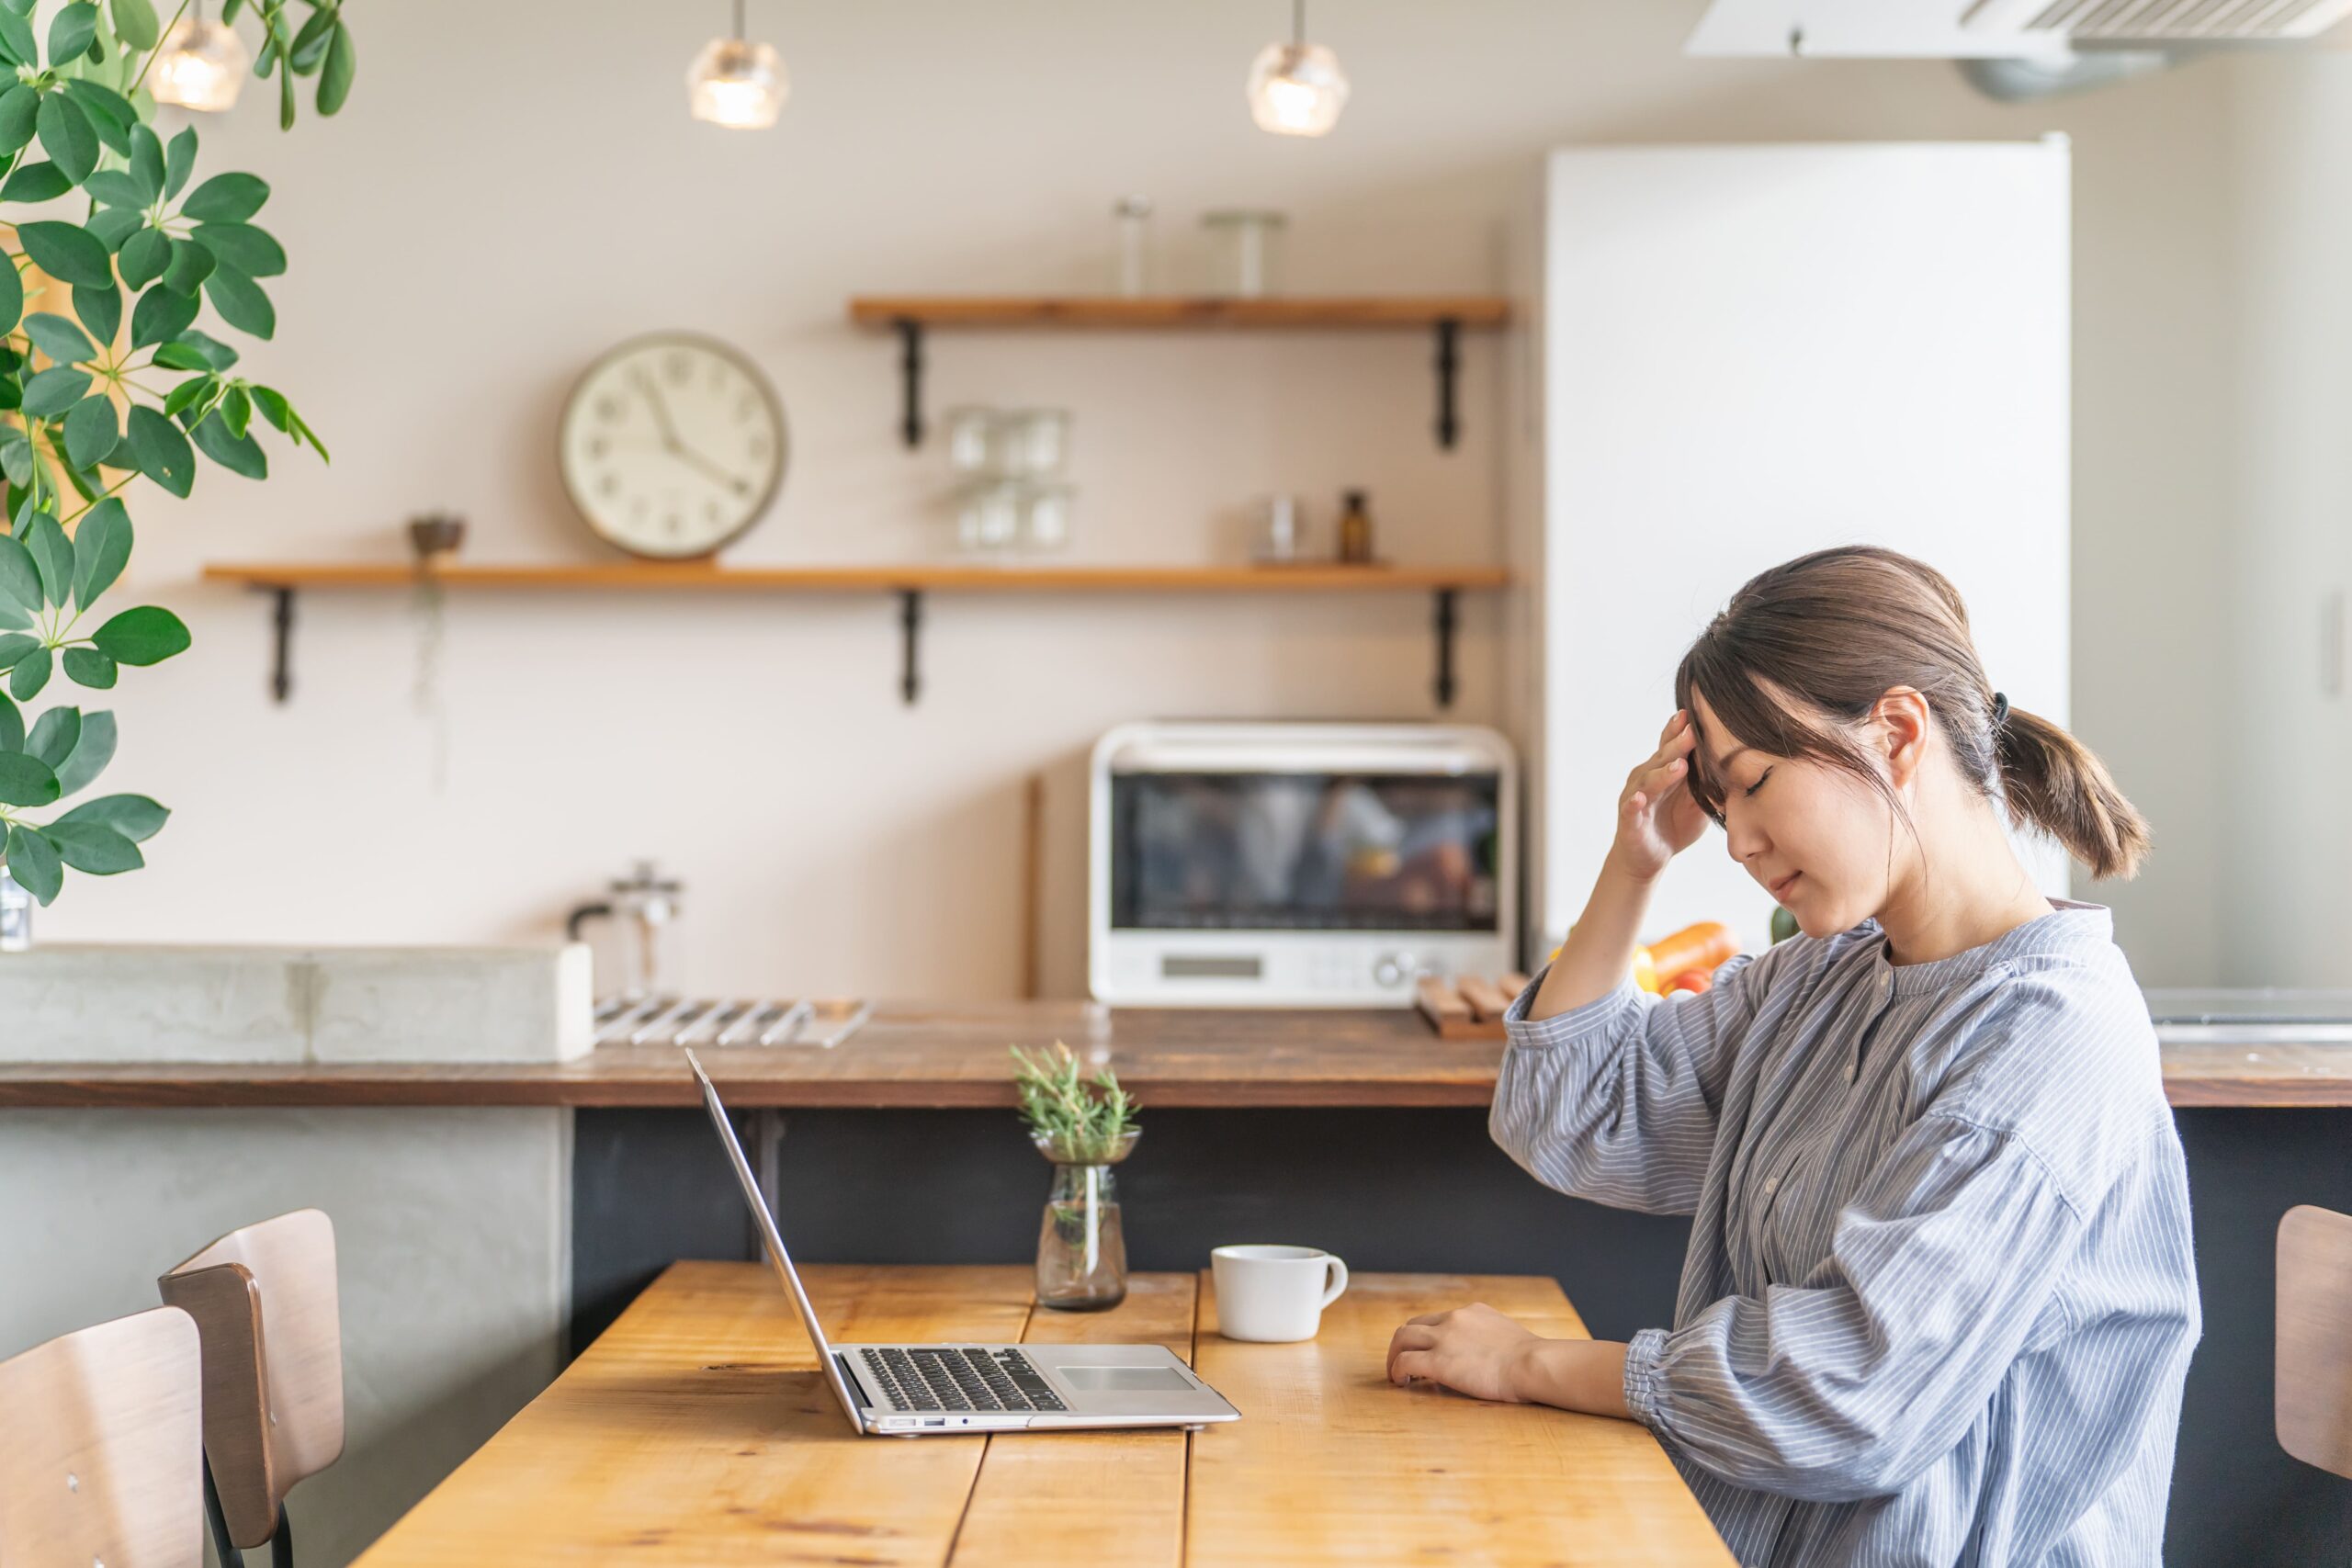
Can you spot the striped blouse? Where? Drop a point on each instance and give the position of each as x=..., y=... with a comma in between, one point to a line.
x=1940, y=1297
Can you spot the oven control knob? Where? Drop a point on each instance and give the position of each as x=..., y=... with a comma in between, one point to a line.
x=1388, y=970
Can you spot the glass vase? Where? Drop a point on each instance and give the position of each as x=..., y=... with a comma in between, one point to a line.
x=1081, y=1249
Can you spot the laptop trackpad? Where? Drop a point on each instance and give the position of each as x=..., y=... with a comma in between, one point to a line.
x=1125, y=1380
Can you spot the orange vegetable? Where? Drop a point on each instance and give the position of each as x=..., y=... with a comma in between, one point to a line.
x=1701, y=946
x=1693, y=980
x=1644, y=971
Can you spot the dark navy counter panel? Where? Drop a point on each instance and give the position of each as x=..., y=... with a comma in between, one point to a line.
x=1423, y=1190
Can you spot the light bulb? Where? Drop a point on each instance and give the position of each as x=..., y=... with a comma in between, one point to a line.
x=202, y=66
x=1297, y=89
x=736, y=84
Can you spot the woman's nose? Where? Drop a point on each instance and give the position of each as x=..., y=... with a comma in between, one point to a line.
x=1742, y=840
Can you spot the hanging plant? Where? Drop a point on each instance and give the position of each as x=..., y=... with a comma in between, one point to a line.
x=124, y=387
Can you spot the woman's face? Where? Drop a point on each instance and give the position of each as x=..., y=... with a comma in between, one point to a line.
x=1813, y=836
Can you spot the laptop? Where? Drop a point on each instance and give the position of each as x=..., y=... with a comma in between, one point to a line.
x=911, y=1390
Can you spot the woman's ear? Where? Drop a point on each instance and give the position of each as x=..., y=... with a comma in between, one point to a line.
x=1899, y=733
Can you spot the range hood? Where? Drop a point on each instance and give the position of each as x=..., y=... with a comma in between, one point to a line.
x=1999, y=29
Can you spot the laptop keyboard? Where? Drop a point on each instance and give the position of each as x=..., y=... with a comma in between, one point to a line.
x=943, y=1376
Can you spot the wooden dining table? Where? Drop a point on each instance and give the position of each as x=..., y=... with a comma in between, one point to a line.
x=697, y=1430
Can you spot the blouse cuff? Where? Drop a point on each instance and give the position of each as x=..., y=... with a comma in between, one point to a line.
x=1645, y=1378
x=1574, y=1027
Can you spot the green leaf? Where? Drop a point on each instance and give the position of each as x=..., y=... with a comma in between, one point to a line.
x=65, y=132
x=147, y=162
x=101, y=548
x=92, y=848
x=12, y=299
x=251, y=251
x=179, y=160
x=107, y=109
x=14, y=646
x=12, y=726
x=19, y=106
x=53, y=737
x=273, y=408
x=53, y=555
x=310, y=42
x=17, y=38
x=29, y=676
x=101, y=310
x=19, y=577
x=229, y=9
x=113, y=225
x=238, y=454
x=67, y=253
x=148, y=634
x=35, y=182
x=241, y=302
x=90, y=754
x=54, y=390
x=190, y=264
x=26, y=780
x=71, y=31
x=134, y=23
x=88, y=667
x=135, y=817
x=59, y=338
x=90, y=435
x=117, y=188
x=237, y=411
x=342, y=63
x=145, y=256
x=218, y=355
x=187, y=393
x=182, y=357
x=160, y=314
x=16, y=459
x=162, y=455
x=32, y=860
x=226, y=198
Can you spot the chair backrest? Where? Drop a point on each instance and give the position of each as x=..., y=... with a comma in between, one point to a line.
x=264, y=1297
x=100, y=1447
x=2314, y=1371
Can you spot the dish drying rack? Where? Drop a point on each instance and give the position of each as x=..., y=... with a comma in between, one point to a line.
x=666, y=1020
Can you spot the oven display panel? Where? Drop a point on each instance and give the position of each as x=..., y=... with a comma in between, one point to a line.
x=1304, y=851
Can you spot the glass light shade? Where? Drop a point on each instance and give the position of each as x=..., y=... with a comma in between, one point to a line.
x=202, y=66
x=736, y=83
x=1297, y=89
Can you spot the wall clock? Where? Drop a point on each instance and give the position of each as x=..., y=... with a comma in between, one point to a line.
x=672, y=445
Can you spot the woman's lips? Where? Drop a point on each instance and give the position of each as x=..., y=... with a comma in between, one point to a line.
x=1780, y=889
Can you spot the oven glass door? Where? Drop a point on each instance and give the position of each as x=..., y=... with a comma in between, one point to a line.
x=1304, y=851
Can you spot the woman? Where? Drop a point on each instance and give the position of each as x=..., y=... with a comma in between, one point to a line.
x=1939, y=1298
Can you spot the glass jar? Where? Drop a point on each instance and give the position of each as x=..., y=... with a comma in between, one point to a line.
x=1244, y=249
x=1046, y=516
x=988, y=516
x=1081, y=1249
x=1036, y=442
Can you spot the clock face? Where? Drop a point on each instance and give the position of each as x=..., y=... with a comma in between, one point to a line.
x=672, y=446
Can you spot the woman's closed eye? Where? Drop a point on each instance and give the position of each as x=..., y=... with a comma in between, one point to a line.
x=1752, y=789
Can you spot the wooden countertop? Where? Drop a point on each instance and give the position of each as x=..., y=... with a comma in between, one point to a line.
x=697, y=1431
x=914, y=1055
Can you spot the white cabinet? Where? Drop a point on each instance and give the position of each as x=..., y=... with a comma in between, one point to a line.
x=1740, y=354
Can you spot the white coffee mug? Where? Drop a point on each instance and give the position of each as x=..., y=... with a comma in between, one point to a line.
x=1274, y=1294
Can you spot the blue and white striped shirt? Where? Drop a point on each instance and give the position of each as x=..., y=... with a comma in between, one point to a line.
x=1939, y=1298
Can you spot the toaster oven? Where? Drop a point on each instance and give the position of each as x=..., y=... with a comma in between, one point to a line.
x=1298, y=864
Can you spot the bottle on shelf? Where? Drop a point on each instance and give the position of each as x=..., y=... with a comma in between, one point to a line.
x=1355, y=529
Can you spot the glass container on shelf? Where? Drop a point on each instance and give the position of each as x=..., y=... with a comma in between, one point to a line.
x=1244, y=251
x=1081, y=1249
x=1046, y=507
x=1134, y=216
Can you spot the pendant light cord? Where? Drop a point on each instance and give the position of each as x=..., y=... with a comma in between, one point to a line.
x=739, y=20
x=1298, y=21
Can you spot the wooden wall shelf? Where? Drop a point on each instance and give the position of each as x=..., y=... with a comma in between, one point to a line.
x=910, y=582
x=1448, y=315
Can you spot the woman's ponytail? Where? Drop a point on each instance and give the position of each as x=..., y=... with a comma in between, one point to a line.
x=2054, y=781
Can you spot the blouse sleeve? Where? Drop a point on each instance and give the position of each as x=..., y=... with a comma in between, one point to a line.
x=1616, y=1100
x=1939, y=1272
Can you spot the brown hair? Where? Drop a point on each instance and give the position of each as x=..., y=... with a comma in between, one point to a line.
x=1824, y=636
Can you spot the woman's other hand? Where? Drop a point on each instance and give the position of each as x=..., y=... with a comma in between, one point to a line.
x=1657, y=818
x=1471, y=1349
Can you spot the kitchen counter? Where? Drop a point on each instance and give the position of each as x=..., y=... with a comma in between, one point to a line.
x=919, y=1055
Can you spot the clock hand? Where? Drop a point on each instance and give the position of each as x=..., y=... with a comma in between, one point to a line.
x=695, y=460
x=661, y=413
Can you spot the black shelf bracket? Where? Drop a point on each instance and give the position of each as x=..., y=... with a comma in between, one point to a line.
x=1448, y=371
x=911, y=378
x=911, y=626
x=1444, y=685
x=281, y=664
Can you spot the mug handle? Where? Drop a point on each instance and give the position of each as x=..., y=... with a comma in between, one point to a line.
x=1337, y=1272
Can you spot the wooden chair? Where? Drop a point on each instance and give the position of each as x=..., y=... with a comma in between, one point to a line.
x=2313, y=1398
x=101, y=1455
x=263, y=1299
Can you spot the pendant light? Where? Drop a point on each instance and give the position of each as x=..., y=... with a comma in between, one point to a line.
x=1297, y=88
x=736, y=83
x=202, y=64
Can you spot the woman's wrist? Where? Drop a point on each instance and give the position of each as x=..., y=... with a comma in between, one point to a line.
x=1586, y=1375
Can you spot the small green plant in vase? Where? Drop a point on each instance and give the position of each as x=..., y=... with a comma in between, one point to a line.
x=1085, y=1126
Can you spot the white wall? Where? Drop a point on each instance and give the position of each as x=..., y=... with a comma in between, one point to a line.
x=515, y=188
